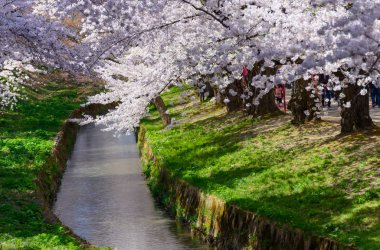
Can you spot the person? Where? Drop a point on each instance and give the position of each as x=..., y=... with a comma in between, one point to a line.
x=326, y=94
x=373, y=92
x=202, y=90
x=245, y=76
x=279, y=94
x=377, y=92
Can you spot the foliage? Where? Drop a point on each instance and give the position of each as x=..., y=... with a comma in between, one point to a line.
x=33, y=32
x=157, y=43
x=309, y=177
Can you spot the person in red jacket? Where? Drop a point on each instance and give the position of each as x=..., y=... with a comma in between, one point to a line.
x=245, y=76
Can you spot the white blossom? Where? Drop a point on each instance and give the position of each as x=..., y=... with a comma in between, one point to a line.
x=347, y=105
x=363, y=91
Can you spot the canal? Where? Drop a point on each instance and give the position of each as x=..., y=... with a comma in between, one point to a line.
x=104, y=197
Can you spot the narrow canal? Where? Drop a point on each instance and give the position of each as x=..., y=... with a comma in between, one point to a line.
x=105, y=200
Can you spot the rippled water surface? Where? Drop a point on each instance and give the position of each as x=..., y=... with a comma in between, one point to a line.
x=104, y=197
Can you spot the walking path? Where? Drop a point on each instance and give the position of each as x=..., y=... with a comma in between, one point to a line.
x=333, y=114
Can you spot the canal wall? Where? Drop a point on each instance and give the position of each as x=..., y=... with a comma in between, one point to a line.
x=50, y=176
x=222, y=225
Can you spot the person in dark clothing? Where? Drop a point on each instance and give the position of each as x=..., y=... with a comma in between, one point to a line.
x=326, y=95
x=326, y=91
x=377, y=86
x=373, y=92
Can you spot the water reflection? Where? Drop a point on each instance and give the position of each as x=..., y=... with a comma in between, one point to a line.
x=105, y=200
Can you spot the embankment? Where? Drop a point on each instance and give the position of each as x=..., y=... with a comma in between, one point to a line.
x=223, y=225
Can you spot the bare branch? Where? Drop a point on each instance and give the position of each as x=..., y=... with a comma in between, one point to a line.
x=208, y=13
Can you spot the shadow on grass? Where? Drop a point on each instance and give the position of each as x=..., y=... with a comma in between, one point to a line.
x=314, y=198
x=316, y=210
x=358, y=138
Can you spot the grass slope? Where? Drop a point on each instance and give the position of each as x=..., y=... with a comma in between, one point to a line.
x=309, y=177
x=26, y=139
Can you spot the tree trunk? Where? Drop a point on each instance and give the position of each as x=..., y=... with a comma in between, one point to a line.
x=209, y=89
x=160, y=105
x=300, y=102
x=235, y=101
x=357, y=116
x=267, y=104
x=219, y=97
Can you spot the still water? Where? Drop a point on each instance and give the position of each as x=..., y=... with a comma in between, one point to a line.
x=105, y=199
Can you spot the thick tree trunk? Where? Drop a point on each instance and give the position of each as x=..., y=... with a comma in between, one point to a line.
x=267, y=104
x=357, y=116
x=219, y=97
x=209, y=89
x=300, y=102
x=235, y=101
x=160, y=105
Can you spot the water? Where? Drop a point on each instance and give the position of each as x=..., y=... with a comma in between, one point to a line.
x=105, y=200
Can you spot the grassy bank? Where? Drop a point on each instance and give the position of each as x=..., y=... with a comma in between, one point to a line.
x=26, y=140
x=309, y=177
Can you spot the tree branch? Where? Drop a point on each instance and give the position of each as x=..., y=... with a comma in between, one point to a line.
x=137, y=34
x=208, y=13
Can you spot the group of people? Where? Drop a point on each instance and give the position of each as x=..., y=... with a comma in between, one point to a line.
x=324, y=90
x=328, y=91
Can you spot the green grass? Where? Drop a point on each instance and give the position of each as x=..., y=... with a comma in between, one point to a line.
x=309, y=177
x=26, y=139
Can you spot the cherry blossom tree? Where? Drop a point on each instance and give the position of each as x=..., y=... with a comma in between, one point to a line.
x=355, y=51
x=30, y=34
x=143, y=47
x=215, y=39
